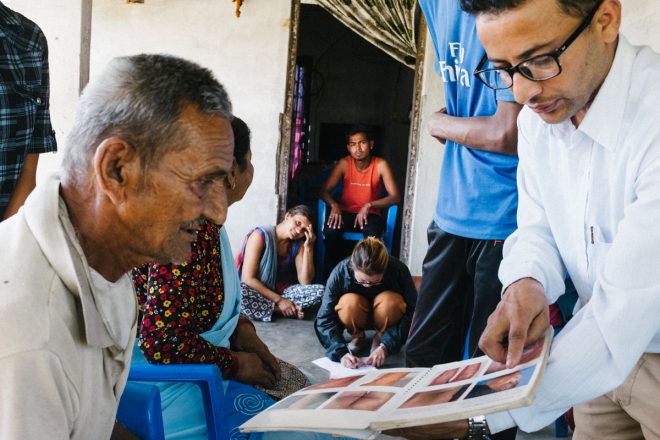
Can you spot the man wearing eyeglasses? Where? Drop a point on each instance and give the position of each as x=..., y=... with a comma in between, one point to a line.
x=589, y=188
x=476, y=206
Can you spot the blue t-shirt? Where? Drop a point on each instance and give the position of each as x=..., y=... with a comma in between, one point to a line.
x=478, y=197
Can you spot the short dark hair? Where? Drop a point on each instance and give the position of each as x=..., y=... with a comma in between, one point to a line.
x=355, y=129
x=575, y=8
x=303, y=210
x=241, y=142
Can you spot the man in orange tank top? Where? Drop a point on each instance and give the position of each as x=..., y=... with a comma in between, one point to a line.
x=368, y=188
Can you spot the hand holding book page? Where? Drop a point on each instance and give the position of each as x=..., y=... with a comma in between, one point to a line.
x=373, y=401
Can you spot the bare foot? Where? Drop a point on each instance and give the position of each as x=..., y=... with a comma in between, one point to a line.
x=300, y=314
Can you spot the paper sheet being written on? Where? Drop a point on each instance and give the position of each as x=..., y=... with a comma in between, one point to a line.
x=337, y=370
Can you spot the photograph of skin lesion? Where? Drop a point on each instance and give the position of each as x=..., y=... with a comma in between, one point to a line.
x=395, y=379
x=444, y=377
x=529, y=354
x=451, y=376
x=501, y=383
x=359, y=400
x=337, y=383
x=435, y=397
x=305, y=401
x=468, y=372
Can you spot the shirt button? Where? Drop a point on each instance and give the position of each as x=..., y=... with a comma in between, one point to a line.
x=39, y=100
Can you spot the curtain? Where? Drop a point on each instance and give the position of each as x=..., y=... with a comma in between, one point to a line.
x=300, y=118
x=387, y=24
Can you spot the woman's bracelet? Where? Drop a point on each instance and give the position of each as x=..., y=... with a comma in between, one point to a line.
x=278, y=301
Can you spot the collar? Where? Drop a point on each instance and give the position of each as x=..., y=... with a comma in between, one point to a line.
x=8, y=18
x=48, y=219
x=604, y=119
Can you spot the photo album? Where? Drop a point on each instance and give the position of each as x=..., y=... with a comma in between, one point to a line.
x=368, y=402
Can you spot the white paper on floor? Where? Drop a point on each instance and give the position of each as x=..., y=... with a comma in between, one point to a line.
x=337, y=370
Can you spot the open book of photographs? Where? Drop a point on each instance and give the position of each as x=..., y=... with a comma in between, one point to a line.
x=373, y=401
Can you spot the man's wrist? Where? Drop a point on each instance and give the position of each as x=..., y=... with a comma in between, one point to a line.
x=477, y=428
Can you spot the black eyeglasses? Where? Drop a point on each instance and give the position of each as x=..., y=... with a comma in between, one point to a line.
x=368, y=283
x=537, y=68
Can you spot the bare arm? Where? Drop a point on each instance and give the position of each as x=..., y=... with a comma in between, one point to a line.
x=391, y=198
x=497, y=133
x=335, y=176
x=391, y=187
x=334, y=218
x=27, y=180
x=253, y=250
x=267, y=371
x=305, y=258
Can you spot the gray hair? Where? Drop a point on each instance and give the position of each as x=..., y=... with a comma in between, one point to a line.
x=140, y=98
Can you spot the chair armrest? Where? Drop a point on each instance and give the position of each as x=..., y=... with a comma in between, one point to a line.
x=175, y=373
x=320, y=243
x=140, y=411
x=206, y=376
x=388, y=237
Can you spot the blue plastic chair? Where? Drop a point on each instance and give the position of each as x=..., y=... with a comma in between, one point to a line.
x=140, y=411
x=207, y=377
x=388, y=235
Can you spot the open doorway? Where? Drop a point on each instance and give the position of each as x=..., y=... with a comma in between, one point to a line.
x=339, y=80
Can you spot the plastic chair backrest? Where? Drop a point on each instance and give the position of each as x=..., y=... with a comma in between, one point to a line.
x=388, y=235
x=140, y=411
x=207, y=377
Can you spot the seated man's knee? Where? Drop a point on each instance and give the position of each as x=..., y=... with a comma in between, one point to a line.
x=374, y=227
x=332, y=235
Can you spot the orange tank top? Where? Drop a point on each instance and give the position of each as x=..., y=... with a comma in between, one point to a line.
x=361, y=187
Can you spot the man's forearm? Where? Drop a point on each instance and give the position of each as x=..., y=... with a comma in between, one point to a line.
x=497, y=133
x=385, y=201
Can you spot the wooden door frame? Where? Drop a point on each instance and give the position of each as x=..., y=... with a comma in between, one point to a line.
x=284, y=146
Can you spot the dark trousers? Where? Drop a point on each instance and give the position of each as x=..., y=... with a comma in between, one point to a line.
x=336, y=249
x=459, y=289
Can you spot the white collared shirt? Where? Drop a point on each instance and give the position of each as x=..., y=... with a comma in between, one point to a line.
x=589, y=205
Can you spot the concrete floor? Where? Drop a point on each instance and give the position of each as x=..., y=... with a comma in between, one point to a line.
x=296, y=342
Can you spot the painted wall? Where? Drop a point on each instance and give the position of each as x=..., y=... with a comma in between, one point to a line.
x=641, y=22
x=248, y=55
x=429, y=160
